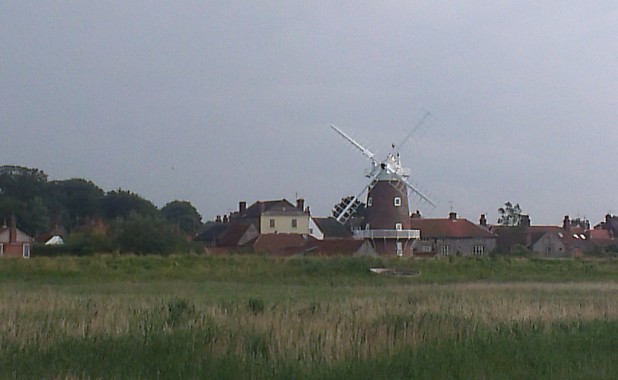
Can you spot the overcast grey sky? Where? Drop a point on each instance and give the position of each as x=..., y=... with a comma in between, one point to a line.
x=220, y=101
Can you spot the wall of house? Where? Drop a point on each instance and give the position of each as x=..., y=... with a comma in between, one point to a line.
x=15, y=249
x=283, y=224
x=550, y=245
x=459, y=247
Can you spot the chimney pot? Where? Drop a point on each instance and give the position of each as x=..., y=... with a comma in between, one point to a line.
x=525, y=221
x=483, y=220
x=13, y=230
x=300, y=204
x=566, y=223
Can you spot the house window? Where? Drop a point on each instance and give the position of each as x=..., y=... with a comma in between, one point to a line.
x=478, y=250
x=1, y=249
x=397, y=201
x=399, y=249
x=549, y=248
x=369, y=202
x=26, y=251
x=272, y=223
x=444, y=251
x=427, y=248
x=294, y=223
x=398, y=226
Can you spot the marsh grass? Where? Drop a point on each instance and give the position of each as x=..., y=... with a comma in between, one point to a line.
x=221, y=322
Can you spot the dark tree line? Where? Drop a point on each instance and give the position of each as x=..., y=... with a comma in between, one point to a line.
x=95, y=220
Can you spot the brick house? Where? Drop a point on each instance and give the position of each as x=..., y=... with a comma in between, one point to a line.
x=546, y=240
x=14, y=242
x=451, y=236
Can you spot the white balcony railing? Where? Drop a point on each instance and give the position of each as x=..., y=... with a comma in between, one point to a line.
x=387, y=234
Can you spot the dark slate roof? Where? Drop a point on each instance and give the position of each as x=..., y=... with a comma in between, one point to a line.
x=211, y=231
x=231, y=236
x=272, y=207
x=332, y=228
x=448, y=229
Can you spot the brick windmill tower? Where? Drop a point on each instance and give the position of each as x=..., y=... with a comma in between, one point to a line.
x=388, y=215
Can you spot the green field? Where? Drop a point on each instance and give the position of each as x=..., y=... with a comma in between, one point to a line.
x=239, y=317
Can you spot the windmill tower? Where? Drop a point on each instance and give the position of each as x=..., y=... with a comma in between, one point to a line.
x=388, y=213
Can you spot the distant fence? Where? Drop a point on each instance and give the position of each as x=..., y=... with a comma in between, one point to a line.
x=387, y=234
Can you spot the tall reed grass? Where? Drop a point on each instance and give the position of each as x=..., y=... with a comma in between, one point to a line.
x=358, y=326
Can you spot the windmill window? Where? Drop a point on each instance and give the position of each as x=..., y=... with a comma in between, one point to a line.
x=369, y=202
x=397, y=201
x=398, y=226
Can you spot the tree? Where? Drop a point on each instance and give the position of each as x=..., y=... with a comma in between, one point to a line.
x=183, y=215
x=120, y=204
x=24, y=193
x=77, y=198
x=143, y=235
x=510, y=215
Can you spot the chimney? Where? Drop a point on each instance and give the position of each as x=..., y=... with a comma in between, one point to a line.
x=566, y=223
x=13, y=230
x=525, y=221
x=300, y=204
x=452, y=216
x=483, y=220
x=416, y=215
x=218, y=219
x=242, y=206
x=225, y=219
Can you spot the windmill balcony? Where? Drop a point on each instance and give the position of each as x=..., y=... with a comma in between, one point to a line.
x=387, y=234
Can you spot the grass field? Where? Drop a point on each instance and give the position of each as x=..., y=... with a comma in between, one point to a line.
x=238, y=317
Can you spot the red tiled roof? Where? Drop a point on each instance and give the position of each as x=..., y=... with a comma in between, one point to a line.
x=335, y=247
x=277, y=244
x=602, y=237
x=447, y=228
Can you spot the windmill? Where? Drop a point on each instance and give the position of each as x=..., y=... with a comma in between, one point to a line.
x=388, y=214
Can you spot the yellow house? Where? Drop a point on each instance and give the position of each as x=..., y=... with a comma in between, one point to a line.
x=275, y=217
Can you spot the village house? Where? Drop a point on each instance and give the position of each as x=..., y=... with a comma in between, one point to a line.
x=280, y=228
x=551, y=241
x=272, y=217
x=14, y=242
x=452, y=236
x=250, y=228
x=605, y=234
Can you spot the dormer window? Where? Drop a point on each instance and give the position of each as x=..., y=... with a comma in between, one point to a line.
x=369, y=202
x=397, y=201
